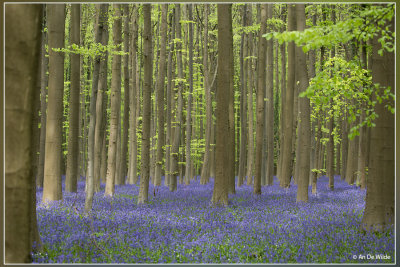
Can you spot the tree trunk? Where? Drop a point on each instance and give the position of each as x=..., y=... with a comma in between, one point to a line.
x=124, y=148
x=101, y=107
x=147, y=65
x=250, y=86
x=269, y=131
x=330, y=147
x=243, y=101
x=178, y=113
x=260, y=99
x=101, y=21
x=22, y=48
x=115, y=104
x=160, y=95
x=43, y=106
x=170, y=100
x=52, y=169
x=304, y=125
x=71, y=179
x=379, y=207
x=287, y=136
x=220, y=192
x=231, y=111
x=189, y=101
x=133, y=99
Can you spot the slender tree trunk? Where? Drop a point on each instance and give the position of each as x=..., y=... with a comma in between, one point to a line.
x=115, y=104
x=100, y=105
x=133, y=99
x=304, y=125
x=124, y=148
x=260, y=99
x=380, y=205
x=170, y=100
x=22, y=48
x=283, y=103
x=43, y=106
x=189, y=101
x=231, y=111
x=362, y=147
x=205, y=171
x=160, y=95
x=220, y=192
x=147, y=65
x=52, y=169
x=101, y=21
x=250, y=157
x=71, y=180
x=270, y=106
x=178, y=113
x=286, y=170
x=243, y=101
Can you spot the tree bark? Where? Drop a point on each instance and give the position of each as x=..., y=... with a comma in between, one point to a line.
x=133, y=99
x=220, y=192
x=160, y=95
x=115, y=104
x=260, y=99
x=101, y=106
x=71, y=179
x=269, y=131
x=243, y=102
x=101, y=20
x=43, y=106
x=147, y=65
x=124, y=148
x=287, y=136
x=304, y=125
x=52, y=166
x=250, y=86
x=178, y=112
x=22, y=57
x=379, y=207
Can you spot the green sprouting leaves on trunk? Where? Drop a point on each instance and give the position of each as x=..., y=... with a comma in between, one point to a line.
x=363, y=25
x=344, y=86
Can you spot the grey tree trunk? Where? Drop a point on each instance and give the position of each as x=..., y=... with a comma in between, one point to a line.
x=269, y=131
x=380, y=205
x=133, y=99
x=43, y=106
x=115, y=104
x=71, y=179
x=124, y=143
x=22, y=57
x=243, y=102
x=101, y=107
x=286, y=169
x=220, y=192
x=147, y=65
x=178, y=113
x=304, y=125
x=102, y=9
x=260, y=99
x=160, y=95
x=52, y=165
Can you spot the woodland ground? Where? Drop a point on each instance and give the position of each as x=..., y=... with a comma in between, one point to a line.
x=182, y=227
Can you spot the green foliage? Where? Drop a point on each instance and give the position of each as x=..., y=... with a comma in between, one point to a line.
x=362, y=25
x=345, y=85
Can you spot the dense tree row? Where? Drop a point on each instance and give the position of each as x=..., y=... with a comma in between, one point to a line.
x=197, y=91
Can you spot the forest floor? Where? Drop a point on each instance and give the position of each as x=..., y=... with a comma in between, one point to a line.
x=181, y=226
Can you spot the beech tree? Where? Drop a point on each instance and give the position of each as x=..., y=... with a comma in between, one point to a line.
x=115, y=103
x=147, y=81
x=22, y=57
x=52, y=166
